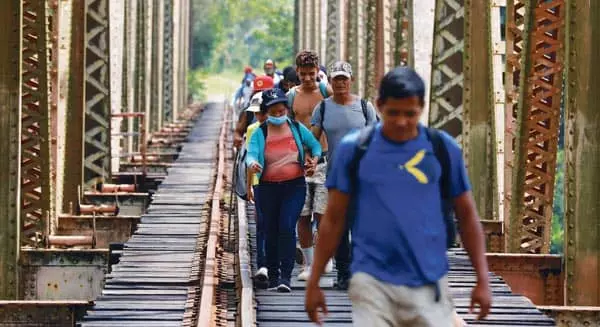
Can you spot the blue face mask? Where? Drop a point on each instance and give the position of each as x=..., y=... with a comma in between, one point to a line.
x=277, y=120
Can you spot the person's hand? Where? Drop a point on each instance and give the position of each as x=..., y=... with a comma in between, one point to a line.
x=255, y=167
x=481, y=296
x=314, y=301
x=250, y=195
x=237, y=141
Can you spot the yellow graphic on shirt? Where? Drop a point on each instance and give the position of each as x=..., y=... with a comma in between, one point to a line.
x=416, y=172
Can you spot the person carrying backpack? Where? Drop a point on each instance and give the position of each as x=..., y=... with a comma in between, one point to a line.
x=337, y=116
x=395, y=184
x=276, y=154
x=302, y=100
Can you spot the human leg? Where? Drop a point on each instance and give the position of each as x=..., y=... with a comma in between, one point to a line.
x=270, y=213
x=305, y=237
x=261, y=276
x=342, y=261
x=293, y=199
x=371, y=305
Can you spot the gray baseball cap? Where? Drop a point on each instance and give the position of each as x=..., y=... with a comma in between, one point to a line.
x=340, y=68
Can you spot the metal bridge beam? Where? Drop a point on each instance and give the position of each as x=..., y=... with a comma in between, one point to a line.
x=582, y=154
x=10, y=147
x=478, y=115
x=35, y=123
x=538, y=120
x=167, y=66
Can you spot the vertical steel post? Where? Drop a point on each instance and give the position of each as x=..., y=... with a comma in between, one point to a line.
x=538, y=121
x=582, y=154
x=35, y=123
x=515, y=19
x=352, y=43
x=446, y=93
x=74, y=136
x=478, y=115
x=10, y=146
x=155, y=117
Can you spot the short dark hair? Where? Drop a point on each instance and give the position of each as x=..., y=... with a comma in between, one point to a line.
x=402, y=82
x=307, y=58
x=290, y=75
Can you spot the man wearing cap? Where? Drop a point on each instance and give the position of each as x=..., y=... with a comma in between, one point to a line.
x=337, y=116
x=271, y=70
x=261, y=83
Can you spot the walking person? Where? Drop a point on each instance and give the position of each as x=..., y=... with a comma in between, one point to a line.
x=337, y=116
x=302, y=101
x=392, y=182
x=276, y=154
x=261, y=278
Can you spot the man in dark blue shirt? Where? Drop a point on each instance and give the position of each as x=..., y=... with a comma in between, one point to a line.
x=399, y=264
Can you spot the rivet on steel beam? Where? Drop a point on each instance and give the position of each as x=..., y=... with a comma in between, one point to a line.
x=571, y=257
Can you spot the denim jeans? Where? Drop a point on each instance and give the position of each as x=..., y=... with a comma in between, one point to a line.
x=280, y=205
x=261, y=260
x=343, y=255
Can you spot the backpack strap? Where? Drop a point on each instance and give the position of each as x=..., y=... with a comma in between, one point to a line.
x=323, y=88
x=291, y=96
x=296, y=125
x=441, y=153
x=263, y=127
x=364, y=140
x=363, y=105
x=322, y=113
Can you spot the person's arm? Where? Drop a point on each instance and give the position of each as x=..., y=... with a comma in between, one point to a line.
x=471, y=231
x=240, y=129
x=473, y=239
x=253, y=148
x=316, y=123
x=311, y=142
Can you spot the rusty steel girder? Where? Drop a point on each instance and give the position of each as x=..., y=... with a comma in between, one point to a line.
x=538, y=122
x=35, y=123
x=334, y=37
x=167, y=73
x=403, y=47
x=568, y=316
x=370, y=73
x=582, y=155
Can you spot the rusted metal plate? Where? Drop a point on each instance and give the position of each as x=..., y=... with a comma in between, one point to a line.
x=537, y=276
x=62, y=274
x=494, y=235
x=41, y=313
x=109, y=229
x=569, y=316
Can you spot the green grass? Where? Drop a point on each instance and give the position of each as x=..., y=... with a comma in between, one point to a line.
x=224, y=83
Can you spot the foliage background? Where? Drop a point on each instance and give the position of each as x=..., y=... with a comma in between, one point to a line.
x=229, y=34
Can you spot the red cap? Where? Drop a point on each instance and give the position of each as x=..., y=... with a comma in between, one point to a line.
x=262, y=83
x=248, y=69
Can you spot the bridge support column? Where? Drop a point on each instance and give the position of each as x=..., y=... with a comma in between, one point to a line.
x=582, y=154
x=538, y=119
x=478, y=111
x=10, y=84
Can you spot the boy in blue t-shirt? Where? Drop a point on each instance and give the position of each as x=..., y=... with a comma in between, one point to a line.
x=399, y=264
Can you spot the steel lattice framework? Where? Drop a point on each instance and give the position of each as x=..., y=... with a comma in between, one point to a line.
x=168, y=62
x=35, y=123
x=402, y=54
x=446, y=96
x=538, y=120
x=334, y=39
x=369, y=67
x=97, y=95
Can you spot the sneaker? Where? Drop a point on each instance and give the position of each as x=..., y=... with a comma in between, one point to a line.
x=273, y=285
x=283, y=288
x=305, y=274
x=262, y=278
x=329, y=267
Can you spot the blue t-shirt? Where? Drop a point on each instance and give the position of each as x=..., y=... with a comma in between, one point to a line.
x=399, y=234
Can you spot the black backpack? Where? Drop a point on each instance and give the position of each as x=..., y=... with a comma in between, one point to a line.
x=441, y=153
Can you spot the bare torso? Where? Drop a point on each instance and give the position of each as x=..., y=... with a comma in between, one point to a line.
x=303, y=106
